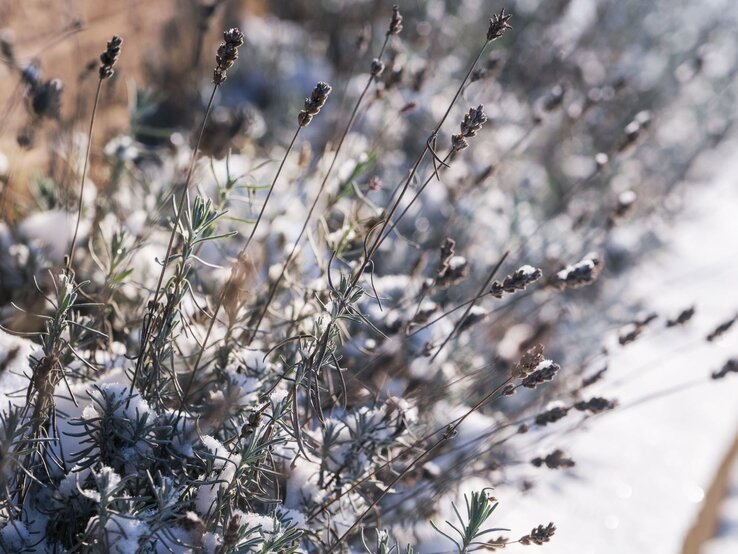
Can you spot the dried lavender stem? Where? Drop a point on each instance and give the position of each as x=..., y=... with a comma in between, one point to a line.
x=293, y=251
x=73, y=244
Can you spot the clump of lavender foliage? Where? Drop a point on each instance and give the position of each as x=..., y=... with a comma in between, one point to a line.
x=312, y=324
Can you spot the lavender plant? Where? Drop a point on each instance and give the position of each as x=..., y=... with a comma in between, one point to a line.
x=314, y=347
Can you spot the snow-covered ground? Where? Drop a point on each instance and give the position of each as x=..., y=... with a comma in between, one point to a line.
x=642, y=470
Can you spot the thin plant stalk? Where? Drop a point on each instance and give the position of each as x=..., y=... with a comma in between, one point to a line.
x=293, y=251
x=73, y=244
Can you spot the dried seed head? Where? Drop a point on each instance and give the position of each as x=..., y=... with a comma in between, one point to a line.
x=110, y=57
x=448, y=249
x=317, y=100
x=498, y=24
x=377, y=67
x=539, y=535
x=475, y=315
x=552, y=415
x=227, y=54
x=425, y=310
x=544, y=372
x=529, y=361
x=496, y=544
x=517, y=281
x=731, y=366
x=395, y=25
x=721, y=329
x=580, y=274
x=630, y=332
x=472, y=123
x=595, y=405
x=44, y=99
x=683, y=317
x=594, y=378
x=455, y=269
x=555, y=460
x=449, y=433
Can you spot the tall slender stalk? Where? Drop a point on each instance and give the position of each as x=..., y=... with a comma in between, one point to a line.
x=226, y=56
x=318, y=195
x=73, y=244
x=107, y=60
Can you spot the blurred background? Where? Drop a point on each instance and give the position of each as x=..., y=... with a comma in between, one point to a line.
x=611, y=129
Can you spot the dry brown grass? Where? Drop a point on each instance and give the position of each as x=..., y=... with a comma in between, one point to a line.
x=43, y=30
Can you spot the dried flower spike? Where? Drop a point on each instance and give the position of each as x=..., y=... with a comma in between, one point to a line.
x=544, y=372
x=110, y=57
x=498, y=24
x=529, y=361
x=44, y=100
x=227, y=54
x=519, y=280
x=448, y=250
x=555, y=460
x=683, y=317
x=453, y=270
x=552, y=415
x=721, y=329
x=731, y=366
x=580, y=274
x=595, y=405
x=395, y=25
x=539, y=535
x=472, y=123
x=317, y=100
